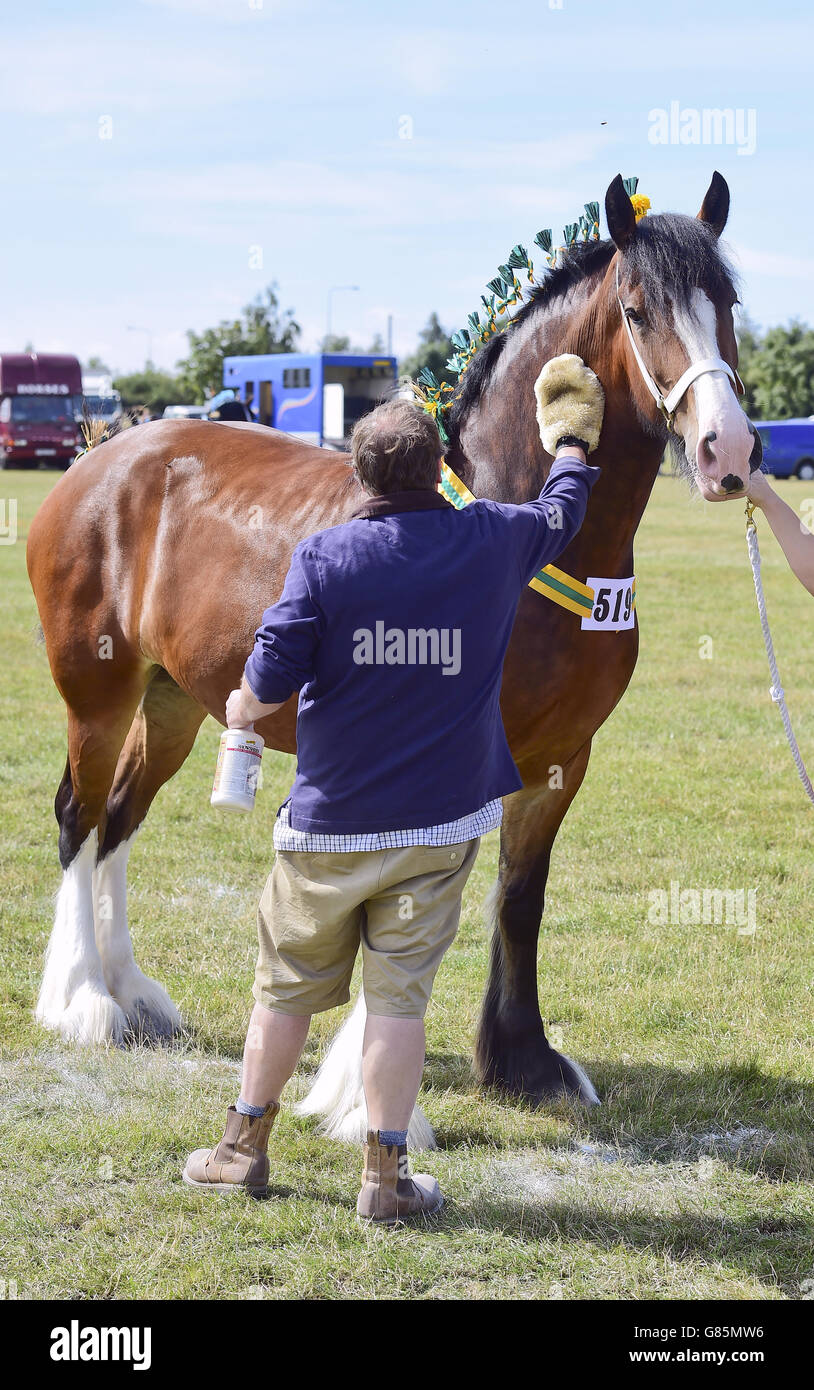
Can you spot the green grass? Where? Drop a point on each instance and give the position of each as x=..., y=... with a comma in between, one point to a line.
x=695, y=1177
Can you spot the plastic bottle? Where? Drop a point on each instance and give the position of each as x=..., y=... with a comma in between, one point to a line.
x=238, y=769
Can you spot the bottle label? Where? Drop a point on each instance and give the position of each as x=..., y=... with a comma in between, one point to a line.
x=238, y=765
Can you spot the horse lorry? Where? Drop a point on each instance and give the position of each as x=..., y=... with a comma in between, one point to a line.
x=100, y=400
x=317, y=397
x=40, y=396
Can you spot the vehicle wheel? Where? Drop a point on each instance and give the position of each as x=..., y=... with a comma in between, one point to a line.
x=805, y=470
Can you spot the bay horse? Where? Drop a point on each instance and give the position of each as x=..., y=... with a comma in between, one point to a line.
x=153, y=558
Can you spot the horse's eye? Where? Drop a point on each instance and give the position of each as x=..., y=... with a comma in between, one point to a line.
x=633, y=316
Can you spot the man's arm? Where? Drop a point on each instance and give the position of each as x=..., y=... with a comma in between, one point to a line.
x=796, y=541
x=570, y=407
x=282, y=659
x=541, y=529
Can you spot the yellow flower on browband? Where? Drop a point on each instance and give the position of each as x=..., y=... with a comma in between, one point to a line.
x=641, y=205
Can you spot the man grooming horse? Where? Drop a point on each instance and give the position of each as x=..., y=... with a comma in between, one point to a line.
x=393, y=627
x=154, y=556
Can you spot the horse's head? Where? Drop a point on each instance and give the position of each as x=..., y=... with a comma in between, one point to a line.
x=674, y=293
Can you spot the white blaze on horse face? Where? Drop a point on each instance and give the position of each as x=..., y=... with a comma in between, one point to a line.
x=723, y=442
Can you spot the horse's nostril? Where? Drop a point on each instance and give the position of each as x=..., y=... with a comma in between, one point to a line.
x=731, y=484
x=706, y=445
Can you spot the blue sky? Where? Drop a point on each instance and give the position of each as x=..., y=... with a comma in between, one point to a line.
x=280, y=125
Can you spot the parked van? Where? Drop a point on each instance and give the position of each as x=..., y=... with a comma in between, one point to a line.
x=788, y=447
x=100, y=400
x=184, y=412
x=40, y=397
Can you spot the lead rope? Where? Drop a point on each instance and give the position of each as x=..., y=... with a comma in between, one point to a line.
x=777, y=692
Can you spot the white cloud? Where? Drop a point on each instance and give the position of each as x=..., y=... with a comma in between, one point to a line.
x=99, y=74
x=520, y=158
x=774, y=263
x=231, y=203
x=234, y=11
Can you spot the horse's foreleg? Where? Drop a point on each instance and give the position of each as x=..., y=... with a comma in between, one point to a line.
x=512, y=1051
x=161, y=735
x=74, y=999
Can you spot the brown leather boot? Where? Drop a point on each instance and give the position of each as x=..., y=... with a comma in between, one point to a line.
x=389, y=1194
x=240, y=1159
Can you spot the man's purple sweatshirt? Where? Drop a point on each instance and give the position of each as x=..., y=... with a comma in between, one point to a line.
x=393, y=627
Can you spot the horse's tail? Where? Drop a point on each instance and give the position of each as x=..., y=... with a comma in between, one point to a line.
x=337, y=1094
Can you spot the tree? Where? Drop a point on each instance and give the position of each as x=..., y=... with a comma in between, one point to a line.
x=748, y=335
x=434, y=348
x=777, y=369
x=152, y=388
x=262, y=327
x=335, y=342
x=95, y=364
x=340, y=342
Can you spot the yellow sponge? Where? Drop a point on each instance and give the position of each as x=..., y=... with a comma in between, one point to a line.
x=570, y=400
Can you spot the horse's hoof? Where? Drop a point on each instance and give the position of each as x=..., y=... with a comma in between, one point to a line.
x=90, y=1016
x=150, y=1013
x=569, y=1082
x=533, y=1071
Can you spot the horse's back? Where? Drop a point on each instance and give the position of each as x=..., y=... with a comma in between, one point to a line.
x=179, y=522
x=122, y=485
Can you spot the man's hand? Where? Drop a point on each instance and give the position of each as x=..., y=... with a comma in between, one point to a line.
x=243, y=708
x=570, y=403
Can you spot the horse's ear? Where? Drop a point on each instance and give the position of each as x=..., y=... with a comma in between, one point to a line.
x=715, y=207
x=619, y=214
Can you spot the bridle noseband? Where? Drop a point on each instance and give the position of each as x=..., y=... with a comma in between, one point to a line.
x=669, y=404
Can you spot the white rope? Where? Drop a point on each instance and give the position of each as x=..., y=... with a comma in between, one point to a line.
x=777, y=692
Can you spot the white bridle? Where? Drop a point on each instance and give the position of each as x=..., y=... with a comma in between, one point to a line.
x=669, y=404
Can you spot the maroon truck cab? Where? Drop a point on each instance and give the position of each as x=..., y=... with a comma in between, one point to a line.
x=40, y=400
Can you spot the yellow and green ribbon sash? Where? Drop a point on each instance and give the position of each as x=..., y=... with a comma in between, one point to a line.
x=552, y=582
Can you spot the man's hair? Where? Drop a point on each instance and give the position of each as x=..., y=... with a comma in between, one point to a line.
x=396, y=448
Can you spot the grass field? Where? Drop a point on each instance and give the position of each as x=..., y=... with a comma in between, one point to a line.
x=695, y=1177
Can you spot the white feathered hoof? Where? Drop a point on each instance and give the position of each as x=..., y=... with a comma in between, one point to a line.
x=150, y=1014
x=90, y=1016
x=338, y=1097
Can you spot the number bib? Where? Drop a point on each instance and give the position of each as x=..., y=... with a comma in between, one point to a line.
x=614, y=605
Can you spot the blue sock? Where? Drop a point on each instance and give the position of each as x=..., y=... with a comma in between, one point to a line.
x=392, y=1136
x=243, y=1108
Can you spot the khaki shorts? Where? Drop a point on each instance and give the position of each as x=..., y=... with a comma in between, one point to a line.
x=401, y=905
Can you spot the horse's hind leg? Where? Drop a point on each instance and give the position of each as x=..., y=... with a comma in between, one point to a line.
x=74, y=999
x=162, y=734
x=512, y=1051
